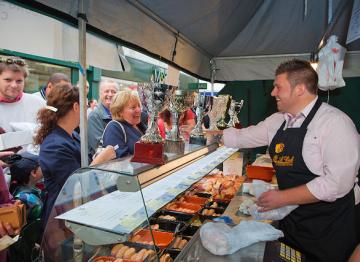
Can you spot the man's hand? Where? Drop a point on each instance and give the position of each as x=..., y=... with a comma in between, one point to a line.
x=278, y=198
x=271, y=199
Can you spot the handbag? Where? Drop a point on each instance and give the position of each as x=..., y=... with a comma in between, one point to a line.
x=14, y=214
x=101, y=147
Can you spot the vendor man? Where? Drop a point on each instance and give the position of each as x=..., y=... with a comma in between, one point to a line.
x=315, y=151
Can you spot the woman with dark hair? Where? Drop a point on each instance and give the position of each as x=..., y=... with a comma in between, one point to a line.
x=59, y=145
x=25, y=173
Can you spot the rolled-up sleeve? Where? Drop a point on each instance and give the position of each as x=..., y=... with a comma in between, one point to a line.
x=253, y=136
x=340, y=146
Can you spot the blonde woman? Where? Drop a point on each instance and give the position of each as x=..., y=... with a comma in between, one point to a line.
x=126, y=128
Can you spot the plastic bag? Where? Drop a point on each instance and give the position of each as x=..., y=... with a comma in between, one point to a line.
x=275, y=214
x=258, y=187
x=229, y=240
x=331, y=61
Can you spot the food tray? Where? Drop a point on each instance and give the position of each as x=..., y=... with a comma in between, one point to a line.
x=221, y=204
x=178, y=215
x=167, y=225
x=190, y=208
x=162, y=239
x=202, y=217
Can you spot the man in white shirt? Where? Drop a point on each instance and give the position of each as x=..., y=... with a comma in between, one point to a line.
x=15, y=105
x=315, y=150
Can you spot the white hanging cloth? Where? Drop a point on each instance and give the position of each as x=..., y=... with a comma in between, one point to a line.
x=331, y=61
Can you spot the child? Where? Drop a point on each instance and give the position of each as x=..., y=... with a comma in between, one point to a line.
x=25, y=173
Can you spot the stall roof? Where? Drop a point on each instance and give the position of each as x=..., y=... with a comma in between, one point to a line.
x=246, y=38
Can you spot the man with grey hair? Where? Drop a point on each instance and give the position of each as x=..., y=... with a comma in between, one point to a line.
x=99, y=118
x=56, y=78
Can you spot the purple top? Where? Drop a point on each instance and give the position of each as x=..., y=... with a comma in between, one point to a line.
x=5, y=196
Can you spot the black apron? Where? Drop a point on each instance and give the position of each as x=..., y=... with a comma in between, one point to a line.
x=323, y=231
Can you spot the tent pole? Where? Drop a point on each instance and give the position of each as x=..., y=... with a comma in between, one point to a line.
x=213, y=72
x=82, y=84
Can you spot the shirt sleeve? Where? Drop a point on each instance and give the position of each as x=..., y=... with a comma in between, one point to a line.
x=340, y=146
x=114, y=135
x=253, y=136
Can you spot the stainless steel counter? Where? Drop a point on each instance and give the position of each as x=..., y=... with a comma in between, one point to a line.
x=194, y=251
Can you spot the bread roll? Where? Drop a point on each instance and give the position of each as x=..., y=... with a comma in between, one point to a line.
x=177, y=242
x=149, y=253
x=139, y=255
x=129, y=253
x=121, y=252
x=115, y=249
x=182, y=243
x=135, y=238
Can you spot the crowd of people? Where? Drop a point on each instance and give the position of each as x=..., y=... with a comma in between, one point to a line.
x=36, y=178
x=315, y=169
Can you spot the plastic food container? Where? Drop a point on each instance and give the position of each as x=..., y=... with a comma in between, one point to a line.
x=194, y=199
x=167, y=225
x=218, y=211
x=183, y=207
x=103, y=259
x=260, y=172
x=162, y=239
x=178, y=216
x=219, y=204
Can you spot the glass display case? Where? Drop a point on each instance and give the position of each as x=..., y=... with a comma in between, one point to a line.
x=107, y=211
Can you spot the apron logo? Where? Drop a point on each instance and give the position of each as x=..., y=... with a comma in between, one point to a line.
x=279, y=148
x=283, y=160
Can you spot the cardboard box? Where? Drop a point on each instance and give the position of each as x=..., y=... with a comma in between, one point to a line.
x=15, y=139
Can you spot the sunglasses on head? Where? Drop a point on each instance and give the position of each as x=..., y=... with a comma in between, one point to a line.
x=9, y=61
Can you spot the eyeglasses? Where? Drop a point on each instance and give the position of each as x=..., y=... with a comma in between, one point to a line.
x=9, y=61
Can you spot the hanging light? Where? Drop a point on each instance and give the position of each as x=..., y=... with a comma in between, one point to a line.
x=314, y=60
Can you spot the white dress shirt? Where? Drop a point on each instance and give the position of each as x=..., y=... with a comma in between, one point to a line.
x=331, y=148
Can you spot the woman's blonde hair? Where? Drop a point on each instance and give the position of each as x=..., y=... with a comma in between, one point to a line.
x=121, y=100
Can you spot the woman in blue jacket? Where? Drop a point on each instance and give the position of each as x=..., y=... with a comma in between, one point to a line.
x=59, y=145
x=126, y=128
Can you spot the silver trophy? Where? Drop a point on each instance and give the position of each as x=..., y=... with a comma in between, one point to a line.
x=154, y=98
x=203, y=106
x=218, y=112
x=234, y=110
x=180, y=101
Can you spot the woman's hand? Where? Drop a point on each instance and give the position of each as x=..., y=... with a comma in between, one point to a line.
x=4, y=154
x=105, y=155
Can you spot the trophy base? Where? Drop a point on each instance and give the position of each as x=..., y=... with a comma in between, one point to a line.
x=238, y=126
x=176, y=147
x=198, y=140
x=149, y=153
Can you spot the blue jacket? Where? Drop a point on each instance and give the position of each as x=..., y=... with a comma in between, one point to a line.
x=114, y=135
x=59, y=157
x=97, y=122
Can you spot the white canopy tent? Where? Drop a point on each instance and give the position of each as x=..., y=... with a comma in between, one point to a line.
x=245, y=39
x=221, y=40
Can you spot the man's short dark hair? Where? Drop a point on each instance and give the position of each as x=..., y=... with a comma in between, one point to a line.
x=299, y=72
x=57, y=78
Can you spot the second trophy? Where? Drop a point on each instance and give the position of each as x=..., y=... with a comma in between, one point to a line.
x=179, y=102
